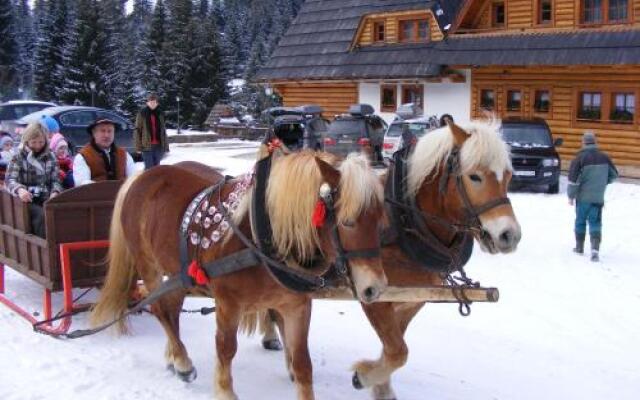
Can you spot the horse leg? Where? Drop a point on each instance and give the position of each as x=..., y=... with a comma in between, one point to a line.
x=167, y=310
x=296, y=332
x=270, y=340
x=227, y=321
x=390, y=321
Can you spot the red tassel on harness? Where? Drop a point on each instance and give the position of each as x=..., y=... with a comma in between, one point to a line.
x=274, y=144
x=319, y=214
x=196, y=272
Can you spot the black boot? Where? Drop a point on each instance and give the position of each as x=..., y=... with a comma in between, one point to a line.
x=579, y=243
x=595, y=247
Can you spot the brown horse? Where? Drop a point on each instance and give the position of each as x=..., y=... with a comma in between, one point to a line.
x=476, y=187
x=144, y=243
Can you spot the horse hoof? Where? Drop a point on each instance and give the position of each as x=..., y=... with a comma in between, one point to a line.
x=188, y=376
x=171, y=368
x=273, y=344
x=355, y=381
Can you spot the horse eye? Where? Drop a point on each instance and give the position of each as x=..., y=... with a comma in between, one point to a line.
x=348, y=224
x=475, y=178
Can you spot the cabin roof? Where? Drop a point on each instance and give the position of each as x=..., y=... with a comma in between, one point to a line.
x=318, y=45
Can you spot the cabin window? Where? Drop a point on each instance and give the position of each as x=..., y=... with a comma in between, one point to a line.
x=590, y=106
x=415, y=30
x=618, y=10
x=545, y=11
x=378, y=31
x=593, y=11
x=487, y=99
x=514, y=100
x=623, y=108
x=497, y=14
x=413, y=94
x=542, y=101
x=388, y=100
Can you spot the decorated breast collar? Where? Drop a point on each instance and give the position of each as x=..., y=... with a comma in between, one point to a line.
x=205, y=220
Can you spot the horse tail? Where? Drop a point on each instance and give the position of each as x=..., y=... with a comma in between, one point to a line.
x=249, y=322
x=121, y=275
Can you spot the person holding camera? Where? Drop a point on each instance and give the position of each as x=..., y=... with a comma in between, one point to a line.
x=33, y=174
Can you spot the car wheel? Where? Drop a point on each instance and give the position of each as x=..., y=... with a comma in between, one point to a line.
x=554, y=188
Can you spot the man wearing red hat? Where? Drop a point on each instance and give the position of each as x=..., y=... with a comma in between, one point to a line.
x=101, y=159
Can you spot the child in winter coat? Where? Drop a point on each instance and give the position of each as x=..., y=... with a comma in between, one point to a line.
x=60, y=148
x=6, y=150
x=32, y=174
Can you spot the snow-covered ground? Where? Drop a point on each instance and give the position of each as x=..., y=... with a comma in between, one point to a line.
x=564, y=328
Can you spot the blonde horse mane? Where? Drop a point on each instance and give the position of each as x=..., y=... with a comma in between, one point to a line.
x=293, y=192
x=484, y=148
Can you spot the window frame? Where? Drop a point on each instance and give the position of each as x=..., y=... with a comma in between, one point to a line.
x=494, y=14
x=604, y=10
x=538, y=13
x=520, y=110
x=419, y=88
x=415, y=21
x=375, y=24
x=383, y=107
x=480, y=108
x=612, y=94
x=534, y=111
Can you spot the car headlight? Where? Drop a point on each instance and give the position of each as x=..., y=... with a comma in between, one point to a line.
x=550, y=162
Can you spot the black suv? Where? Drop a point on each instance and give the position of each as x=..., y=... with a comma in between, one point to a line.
x=298, y=127
x=360, y=130
x=534, y=156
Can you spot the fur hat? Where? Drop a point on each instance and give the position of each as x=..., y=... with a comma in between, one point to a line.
x=588, y=138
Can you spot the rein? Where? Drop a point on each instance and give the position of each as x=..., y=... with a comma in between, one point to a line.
x=419, y=242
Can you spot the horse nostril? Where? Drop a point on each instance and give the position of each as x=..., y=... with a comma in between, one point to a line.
x=506, y=237
x=370, y=294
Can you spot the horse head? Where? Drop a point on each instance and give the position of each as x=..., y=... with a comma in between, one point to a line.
x=462, y=175
x=320, y=203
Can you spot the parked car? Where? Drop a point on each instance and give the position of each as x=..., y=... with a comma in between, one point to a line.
x=534, y=156
x=12, y=111
x=417, y=127
x=298, y=127
x=74, y=121
x=359, y=130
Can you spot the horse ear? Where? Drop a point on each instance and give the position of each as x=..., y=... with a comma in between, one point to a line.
x=329, y=174
x=459, y=134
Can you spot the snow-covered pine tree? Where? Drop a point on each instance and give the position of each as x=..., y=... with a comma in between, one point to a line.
x=87, y=61
x=179, y=45
x=9, y=52
x=155, y=64
x=49, y=50
x=26, y=44
x=205, y=79
x=112, y=13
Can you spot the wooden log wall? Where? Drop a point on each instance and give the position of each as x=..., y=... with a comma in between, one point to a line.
x=521, y=15
x=364, y=36
x=334, y=98
x=620, y=141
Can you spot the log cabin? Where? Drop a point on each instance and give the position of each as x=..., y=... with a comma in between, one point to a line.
x=574, y=63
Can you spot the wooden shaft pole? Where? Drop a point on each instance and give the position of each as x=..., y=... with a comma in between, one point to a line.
x=430, y=294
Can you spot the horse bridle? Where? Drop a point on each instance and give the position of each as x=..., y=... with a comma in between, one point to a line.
x=472, y=212
x=341, y=264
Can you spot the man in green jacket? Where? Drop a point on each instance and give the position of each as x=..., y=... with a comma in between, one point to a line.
x=589, y=174
x=150, y=135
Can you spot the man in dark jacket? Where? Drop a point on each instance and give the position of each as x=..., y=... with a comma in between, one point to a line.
x=150, y=135
x=589, y=174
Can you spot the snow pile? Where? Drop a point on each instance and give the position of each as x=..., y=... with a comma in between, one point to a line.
x=564, y=328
